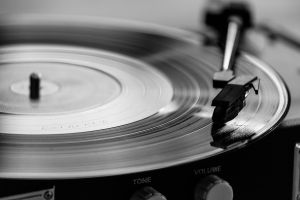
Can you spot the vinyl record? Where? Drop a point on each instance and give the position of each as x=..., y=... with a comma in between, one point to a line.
x=118, y=97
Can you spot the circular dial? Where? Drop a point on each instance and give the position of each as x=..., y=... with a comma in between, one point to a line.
x=213, y=188
x=147, y=193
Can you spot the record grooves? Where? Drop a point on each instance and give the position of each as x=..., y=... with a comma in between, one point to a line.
x=131, y=102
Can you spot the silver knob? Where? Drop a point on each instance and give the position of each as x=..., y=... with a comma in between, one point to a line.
x=147, y=193
x=213, y=188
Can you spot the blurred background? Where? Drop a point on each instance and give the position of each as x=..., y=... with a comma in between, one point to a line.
x=179, y=13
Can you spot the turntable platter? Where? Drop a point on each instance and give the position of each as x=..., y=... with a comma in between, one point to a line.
x=117, y=98
x=104, y=89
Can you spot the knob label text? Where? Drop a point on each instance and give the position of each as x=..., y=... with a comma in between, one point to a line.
x=143, y=180
x=208, y=170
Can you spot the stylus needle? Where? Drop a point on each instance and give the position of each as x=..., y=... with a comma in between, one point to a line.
x=231, y=100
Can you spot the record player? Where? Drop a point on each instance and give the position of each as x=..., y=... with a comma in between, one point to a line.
x=112, y=109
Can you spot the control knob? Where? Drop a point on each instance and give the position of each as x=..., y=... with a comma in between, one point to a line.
x=213, y=188
x=147, y=193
